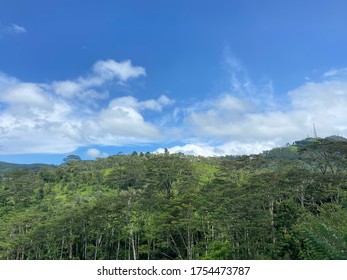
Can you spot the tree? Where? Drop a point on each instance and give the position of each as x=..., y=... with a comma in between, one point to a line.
x=71, y=159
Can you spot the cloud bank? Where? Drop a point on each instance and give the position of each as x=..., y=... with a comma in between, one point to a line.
x=244, y=122
x=59, y=117
x=62, y=116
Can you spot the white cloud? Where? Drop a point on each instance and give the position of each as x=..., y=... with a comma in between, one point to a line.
x=45, y=118
x=13, y=28
x=191, y=149
x=336, y=73
x=61, y=116
x=95, y=153
x=247, y=118
x=230, y=119
x=110, y=69
x=330, y=73
x=103, y=71
x=151, y=104
x=6, y=80
x=125, y=121
x=16, y=29
x=67, y=89
x=324, y=103
x=229, y=148
x=27, y=94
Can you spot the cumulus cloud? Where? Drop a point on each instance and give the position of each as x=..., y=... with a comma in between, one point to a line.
x=60, y=116
x=27, y=94
x=95, y=153
x=247, y=118
x=230, y=118
x=109, y=69
x=122, y=121
x=324, y=103
x=103, y=71
x=44, y=118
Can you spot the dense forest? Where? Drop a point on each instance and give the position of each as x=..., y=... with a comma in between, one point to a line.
x=287, y=203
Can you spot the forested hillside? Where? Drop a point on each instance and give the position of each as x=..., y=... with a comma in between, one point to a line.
x=288, y=203
x=5, y=166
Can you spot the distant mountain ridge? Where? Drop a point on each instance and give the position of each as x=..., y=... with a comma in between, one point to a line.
x=5, y=166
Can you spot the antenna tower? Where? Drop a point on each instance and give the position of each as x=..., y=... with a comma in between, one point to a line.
x=314, y=131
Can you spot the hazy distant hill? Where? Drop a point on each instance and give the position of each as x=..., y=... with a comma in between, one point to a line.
x=5, y=166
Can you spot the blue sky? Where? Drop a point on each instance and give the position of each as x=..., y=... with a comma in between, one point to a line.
x=97, y=78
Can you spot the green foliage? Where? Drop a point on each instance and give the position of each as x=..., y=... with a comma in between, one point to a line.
x=324, y=236
x=288, y=203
